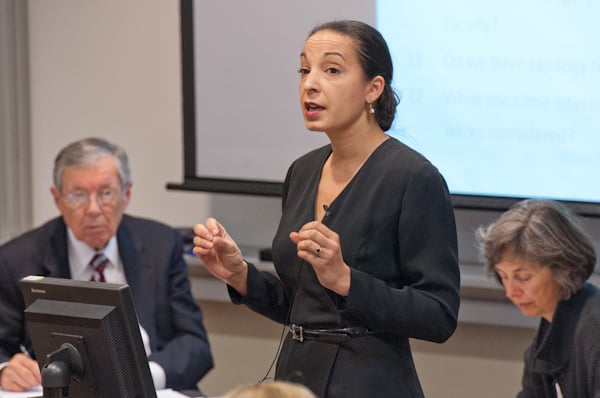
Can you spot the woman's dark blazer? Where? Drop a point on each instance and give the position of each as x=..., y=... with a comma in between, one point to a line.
x=397, y=231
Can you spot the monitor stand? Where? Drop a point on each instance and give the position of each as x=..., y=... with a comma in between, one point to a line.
x=62, y=366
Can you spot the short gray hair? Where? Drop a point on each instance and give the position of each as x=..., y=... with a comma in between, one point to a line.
x=86, y=152
x=544, y=232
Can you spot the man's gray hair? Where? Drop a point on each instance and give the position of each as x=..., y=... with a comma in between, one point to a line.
x=87, y=152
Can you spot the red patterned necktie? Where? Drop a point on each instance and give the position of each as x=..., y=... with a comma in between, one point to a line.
x=98, y=263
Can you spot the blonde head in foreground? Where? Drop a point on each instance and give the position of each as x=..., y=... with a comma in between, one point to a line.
x=276, y=389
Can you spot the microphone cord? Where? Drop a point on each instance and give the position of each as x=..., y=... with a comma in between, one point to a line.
x=289, y=311
x=287, y=320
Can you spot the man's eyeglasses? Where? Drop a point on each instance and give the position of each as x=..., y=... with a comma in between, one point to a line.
x=104, y=197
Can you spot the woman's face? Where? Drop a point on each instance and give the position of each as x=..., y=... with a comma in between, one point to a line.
x=333, y=89
x=530, y=286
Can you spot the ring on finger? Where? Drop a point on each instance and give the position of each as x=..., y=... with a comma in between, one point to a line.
x=318, y=251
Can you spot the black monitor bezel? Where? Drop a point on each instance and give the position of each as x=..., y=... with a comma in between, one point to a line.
x=94, y=293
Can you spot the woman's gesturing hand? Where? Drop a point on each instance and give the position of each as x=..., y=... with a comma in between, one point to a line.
x=220, y=254
x=320, y=246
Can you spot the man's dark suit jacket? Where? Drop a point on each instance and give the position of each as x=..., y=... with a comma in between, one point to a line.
x=151, y=254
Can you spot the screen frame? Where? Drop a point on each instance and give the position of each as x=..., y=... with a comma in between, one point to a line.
x=194, y=182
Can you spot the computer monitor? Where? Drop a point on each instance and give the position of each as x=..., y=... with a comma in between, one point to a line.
x=86, y=335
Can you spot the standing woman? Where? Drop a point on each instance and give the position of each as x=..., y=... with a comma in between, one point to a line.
x=366, y=251
x=543, y=257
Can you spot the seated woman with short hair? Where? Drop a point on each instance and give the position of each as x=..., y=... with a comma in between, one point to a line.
x=543, y=257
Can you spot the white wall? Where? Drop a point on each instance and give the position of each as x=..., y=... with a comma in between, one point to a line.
x=110, y=68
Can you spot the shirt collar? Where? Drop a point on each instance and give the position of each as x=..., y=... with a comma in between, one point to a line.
x=80, y=253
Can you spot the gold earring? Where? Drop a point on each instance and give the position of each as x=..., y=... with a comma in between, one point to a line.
x=371, y=109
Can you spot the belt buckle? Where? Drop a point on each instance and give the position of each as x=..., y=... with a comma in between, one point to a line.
x=297, y=332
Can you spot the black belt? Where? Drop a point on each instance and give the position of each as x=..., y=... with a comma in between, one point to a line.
x=334, y=336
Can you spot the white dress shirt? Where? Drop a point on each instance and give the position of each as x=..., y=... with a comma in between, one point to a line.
x=80, y=255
